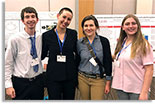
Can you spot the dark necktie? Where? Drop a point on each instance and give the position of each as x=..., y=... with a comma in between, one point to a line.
x=34, y=53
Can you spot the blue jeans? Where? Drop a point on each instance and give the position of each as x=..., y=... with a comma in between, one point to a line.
x=127, y=96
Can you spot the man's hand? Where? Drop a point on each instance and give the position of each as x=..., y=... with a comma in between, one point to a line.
x=11, y=92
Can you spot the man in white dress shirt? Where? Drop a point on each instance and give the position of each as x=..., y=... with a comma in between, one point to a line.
x=22, y=56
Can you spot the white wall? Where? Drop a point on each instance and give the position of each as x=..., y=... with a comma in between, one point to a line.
x=103, y=6
x=124, y=6
x=153, y=7
x=18, y=5
x=144, y=6
x=114, y=6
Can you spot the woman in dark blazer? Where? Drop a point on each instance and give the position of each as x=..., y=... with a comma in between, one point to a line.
x=59, y=44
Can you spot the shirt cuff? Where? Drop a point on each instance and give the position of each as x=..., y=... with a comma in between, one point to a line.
x=8, y=84
x=108, y=78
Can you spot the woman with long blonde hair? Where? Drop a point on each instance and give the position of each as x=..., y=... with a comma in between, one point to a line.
x=133, y=57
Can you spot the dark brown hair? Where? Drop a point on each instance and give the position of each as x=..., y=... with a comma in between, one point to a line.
x=66, y=9
x=28, y=10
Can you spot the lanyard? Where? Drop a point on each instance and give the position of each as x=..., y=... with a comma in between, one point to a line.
x=122, y=49
x=60, y=45
x=92, y=46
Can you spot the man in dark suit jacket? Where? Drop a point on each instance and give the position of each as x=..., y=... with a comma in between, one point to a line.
x=59, y=44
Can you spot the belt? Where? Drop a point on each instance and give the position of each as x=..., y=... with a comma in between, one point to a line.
x=28, y=79
x=94, y=76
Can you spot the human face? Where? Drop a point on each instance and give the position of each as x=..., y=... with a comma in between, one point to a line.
x=130, y=26
x=30, y=21
x=89, y=28
x=64, y=19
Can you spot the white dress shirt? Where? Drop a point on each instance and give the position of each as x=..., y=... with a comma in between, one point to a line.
x=18, y=58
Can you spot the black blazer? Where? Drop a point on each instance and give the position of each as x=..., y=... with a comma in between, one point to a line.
x=58, y=71
x=107, y=60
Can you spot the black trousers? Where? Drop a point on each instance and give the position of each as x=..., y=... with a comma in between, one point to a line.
x=29, y=89
x=61, y=90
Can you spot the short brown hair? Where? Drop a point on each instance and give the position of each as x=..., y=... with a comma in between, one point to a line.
x=28, y=10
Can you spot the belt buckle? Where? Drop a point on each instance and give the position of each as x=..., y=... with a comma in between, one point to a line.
x=91, y=76
x=31, y=79
x=88, y=75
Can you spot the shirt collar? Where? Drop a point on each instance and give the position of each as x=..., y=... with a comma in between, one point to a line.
x=26, y=35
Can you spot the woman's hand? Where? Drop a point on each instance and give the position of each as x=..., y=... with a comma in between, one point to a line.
x=107, y=87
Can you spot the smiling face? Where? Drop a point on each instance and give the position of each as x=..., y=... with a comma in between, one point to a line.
x=64, y=19
x=130, y=26
x=30, y=20
x=89, y=28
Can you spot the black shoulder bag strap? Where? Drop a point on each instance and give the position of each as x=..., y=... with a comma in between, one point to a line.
x=94, y=56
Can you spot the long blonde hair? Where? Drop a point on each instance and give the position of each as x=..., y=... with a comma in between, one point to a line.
x=139, y=44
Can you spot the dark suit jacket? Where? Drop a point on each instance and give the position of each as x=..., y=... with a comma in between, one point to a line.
x=58, y=71
x=107, y=60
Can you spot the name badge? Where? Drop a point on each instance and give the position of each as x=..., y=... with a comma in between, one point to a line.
x=34, y=62
x=61, y=58
x=116, y=63
x=92, y=61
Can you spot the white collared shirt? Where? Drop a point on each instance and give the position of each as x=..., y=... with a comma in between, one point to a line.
x=18, y=58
